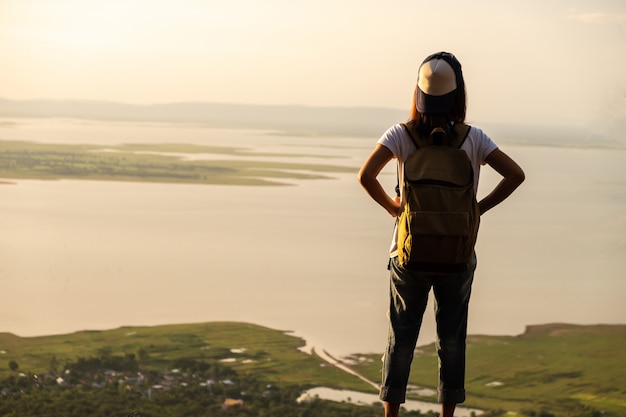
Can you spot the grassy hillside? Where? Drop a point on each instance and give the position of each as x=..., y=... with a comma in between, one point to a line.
x=557, y=367
x=244, y=347
x=550, y=370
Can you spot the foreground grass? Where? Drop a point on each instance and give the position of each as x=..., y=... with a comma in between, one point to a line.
x=559, y=368
x=163, y=163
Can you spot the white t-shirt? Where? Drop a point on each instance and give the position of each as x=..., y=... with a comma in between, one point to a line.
x=477, y=145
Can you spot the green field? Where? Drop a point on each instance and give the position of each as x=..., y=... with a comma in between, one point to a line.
x=272, y=353
x=558, y=370
x=164, y=371
x=163, y=163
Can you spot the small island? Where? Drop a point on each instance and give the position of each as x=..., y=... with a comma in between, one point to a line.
x=162, y=163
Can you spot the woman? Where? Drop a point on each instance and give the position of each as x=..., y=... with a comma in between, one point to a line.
x=439, y=102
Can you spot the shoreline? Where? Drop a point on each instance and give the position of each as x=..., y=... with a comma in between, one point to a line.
x=362, y=398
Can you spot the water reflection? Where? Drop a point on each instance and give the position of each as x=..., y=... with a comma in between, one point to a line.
x=363, y=398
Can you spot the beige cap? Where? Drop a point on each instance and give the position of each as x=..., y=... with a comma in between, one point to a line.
x=437, y=84
x=436, y=78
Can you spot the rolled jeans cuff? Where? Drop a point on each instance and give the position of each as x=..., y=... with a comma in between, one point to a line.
x=393, y=395
x=450, y=396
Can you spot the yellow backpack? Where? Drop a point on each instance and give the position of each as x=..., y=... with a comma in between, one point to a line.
x=438, y=227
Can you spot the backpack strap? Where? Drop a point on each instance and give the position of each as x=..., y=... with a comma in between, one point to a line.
x=462, y=131
x=407, y=129
x=409, y=132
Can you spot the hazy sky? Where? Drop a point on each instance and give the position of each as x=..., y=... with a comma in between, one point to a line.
x=535, y=60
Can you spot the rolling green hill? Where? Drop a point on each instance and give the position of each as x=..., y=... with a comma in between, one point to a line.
x=561, y=368
x=244, y=347
x=550, y=370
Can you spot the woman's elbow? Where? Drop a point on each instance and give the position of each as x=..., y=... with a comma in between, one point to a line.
x=519, y=176
x=514, y=173
x=363, y=177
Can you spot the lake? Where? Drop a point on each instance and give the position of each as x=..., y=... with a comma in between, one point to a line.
x=309, y=258
x=361, y=398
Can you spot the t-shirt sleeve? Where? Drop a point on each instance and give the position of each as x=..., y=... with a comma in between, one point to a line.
x=484, y=145
x=392, y=139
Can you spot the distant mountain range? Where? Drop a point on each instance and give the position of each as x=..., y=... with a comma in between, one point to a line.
x=297, y=120
x=294, y=120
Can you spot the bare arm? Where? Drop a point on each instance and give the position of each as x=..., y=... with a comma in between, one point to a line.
x=368, y=174
x=512, y=177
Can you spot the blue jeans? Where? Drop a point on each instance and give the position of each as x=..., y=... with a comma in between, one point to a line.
x=408, y=299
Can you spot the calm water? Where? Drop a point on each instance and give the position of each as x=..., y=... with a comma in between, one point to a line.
x=361, y=398
x=309, y=258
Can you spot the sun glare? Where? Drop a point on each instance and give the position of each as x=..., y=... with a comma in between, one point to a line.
x=74, y=24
